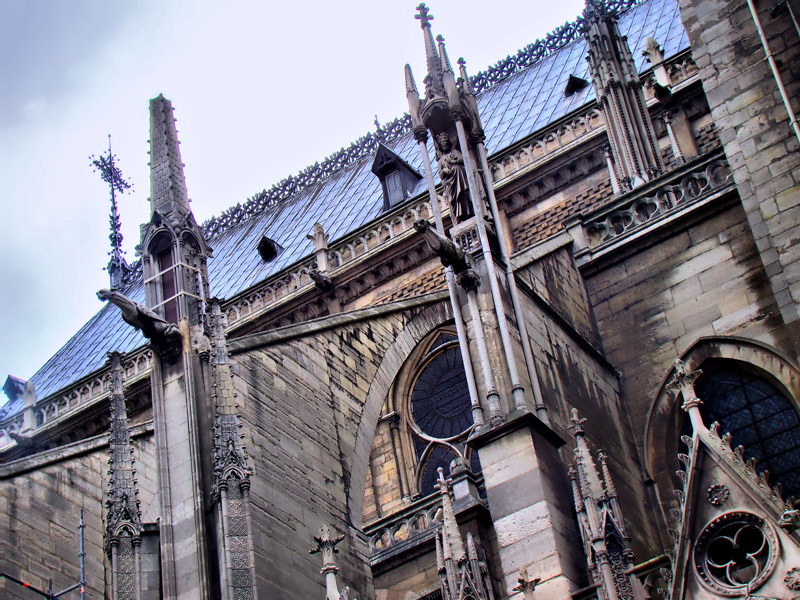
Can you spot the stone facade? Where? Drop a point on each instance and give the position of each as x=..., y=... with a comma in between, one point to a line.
x=487, y=399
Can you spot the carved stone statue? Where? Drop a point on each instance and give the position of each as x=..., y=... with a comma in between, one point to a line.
x=454, y=178
x=166, y=336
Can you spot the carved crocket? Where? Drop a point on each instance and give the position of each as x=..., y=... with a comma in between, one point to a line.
x=164, y=335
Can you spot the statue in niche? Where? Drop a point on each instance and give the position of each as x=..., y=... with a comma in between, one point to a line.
x=454, y=179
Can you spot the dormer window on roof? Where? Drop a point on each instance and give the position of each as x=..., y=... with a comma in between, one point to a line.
x=574, y=84
x=268, y=248
x=397, y=177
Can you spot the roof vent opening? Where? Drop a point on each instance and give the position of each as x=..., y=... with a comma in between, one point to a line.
x=574, y=84
x=269, y=249
x=397, y=177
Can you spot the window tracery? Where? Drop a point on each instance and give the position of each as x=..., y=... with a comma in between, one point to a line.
x=735, y=553
x=425, y=424
x=758, y=416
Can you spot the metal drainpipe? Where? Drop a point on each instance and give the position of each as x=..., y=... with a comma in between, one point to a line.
x=541, y=409
x=475, y=403
x=775, y=73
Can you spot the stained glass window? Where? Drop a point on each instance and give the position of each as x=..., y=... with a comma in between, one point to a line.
x=440, y=410
x=759, y=417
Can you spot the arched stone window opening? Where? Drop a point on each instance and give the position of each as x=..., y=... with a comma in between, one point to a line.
x=425, y=424
x=749, y=361
x=759, y=415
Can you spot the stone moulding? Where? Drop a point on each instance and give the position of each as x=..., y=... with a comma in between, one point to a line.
x=697, y=181
x=69, y=401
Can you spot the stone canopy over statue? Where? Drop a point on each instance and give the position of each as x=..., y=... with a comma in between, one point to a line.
x=454, y=179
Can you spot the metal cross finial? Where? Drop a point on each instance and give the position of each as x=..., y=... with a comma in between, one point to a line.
x=424, y=15
x=110, y=173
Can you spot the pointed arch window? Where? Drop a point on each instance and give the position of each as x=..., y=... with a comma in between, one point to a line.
x=425, y=425
x=758, y=416
x=439, y=414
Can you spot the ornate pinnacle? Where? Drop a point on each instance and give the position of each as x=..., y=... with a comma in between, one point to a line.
x=327, y=546
x=576, y=423
x=451, y=535
x=611, y=489
x=110, y=173
x=443, y=54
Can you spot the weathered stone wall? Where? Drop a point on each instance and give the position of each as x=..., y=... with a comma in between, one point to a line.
x=41, y=498
x=754, y=128
x=556, y=279
x=703, y=281
x=383, y=491
x=310, y=404
x=573, y=374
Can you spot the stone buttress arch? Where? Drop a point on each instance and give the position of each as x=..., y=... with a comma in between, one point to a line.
x=394, y=358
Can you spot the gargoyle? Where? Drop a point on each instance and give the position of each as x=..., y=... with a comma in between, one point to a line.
x=323, y=282
x=450, y=253
x=790, y=520
x=164, y=335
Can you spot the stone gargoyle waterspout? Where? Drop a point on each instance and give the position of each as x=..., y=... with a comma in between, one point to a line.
x=165, y=336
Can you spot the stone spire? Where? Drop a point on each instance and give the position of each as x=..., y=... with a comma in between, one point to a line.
x=230, y=458
x=433, y=81
x=462, y=574
x=167, y=182
x=605, y=540
x=123, y=517
x=634, y=148
x=231, y=470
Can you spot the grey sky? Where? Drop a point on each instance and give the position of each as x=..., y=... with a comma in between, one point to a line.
x=261, y=90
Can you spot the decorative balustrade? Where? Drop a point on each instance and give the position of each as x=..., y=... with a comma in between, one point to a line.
x=543, y=145
x=87, y=392
x=382, y=232
x=684, y=186
x=414, y=523
x=342, y=255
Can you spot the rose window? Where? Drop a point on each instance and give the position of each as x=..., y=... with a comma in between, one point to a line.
x=735, y=553
x=441, y=415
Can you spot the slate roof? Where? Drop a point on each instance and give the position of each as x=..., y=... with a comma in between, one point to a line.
x=510, y=111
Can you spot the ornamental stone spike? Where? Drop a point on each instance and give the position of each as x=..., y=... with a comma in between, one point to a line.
x=433, y=80
x=682, y=382
x=167, y=181
x=122, y=503
x=448, y=78
x=450, y=528
x=326, y=545
x=584, y=463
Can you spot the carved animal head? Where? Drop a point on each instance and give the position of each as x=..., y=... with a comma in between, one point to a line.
x=104, y=294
